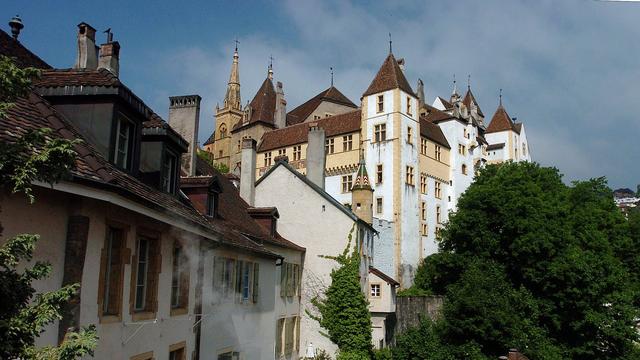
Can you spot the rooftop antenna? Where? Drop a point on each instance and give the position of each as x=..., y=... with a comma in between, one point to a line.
x=109, y=35
x=331, y=68
x=390, y=43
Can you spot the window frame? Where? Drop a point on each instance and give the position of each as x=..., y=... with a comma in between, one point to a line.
x=379, y=174
x=152, y=271
x=182, y=277
x=106, y=274
x=380, y=132
x=379, y=205
x=409, y=175
x=380, y=104
x=372, y=286
x=169, y=174
x=129, y=142
x=346, y=183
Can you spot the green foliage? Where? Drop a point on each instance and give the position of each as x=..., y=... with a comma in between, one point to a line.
x=208, y=157
x=382, y=354
x=23, y=313
x=344, y=310
x=353, y=355
x=530, y=262
x=322, y=355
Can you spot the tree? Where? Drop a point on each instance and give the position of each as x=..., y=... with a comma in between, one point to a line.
x=524, y=247
x=208, y=157
x=344, y=310
x=36, y=156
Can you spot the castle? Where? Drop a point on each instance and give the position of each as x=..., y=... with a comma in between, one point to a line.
x=421, y=157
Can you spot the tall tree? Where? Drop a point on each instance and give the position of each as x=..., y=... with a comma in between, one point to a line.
x=23, y=313
x=524, y=247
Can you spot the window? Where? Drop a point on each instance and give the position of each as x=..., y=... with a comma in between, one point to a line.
x=124, y=142
x=438, y=152
x=347, y=143
x=464, y=169
x=145, y=276
x=328, y=146
x=423, y=210
x=317, y=117
x=267, y=158
x=238, y=277
x=423, y=183
x=380, y=132
x=346, y=183
x=112, y=265
x=408, y=106
x=289, y=279
x=282, y=152
x=462, y=150
x=375, y=290
x=465, y=133
x=438, y=215
x=409, y=175
x=245, y=284
x=409, y=135
x=379, y=174
x=297, y=152
x=146, y=356
x=239, y=146
x=423, y=229
x=328, y=115
x=438, y=190
x=379, y=206
x=179, y=279
x=212, y=203
x=231, y=355
x=169, y=172
x=380, y=103
x=220, y=154
x=423, y=146
x=177, y=351
x=223, y=131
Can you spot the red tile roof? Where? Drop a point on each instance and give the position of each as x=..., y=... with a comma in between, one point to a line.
x=433, y=132
x=501, y=122
x=390, y=76
x=469, y=99
x=332, y=94
x=22, y=56
x=263, y=105
x=297, y=134
x=77, y=77
x=434, y=115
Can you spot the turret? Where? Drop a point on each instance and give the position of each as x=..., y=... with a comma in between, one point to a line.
x=362, y=194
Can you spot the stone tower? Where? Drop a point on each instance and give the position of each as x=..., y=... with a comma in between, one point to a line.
x=362, y=194
x=227, y=116
x=184, y=117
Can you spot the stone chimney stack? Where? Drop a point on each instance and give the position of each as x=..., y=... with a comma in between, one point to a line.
x=316, y=157
x=420, y=92
x=110, y=55
x=87, y=57
x=184, y=118
x=280, y=117
x=248, y=171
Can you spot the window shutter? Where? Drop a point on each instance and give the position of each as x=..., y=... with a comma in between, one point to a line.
x=297, y=342
x=289, y=279
x=239, y=280
x=283, y=279
x=256, y=282
x=184, y=281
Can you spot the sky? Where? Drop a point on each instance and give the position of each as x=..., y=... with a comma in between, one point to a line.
x=569, y=69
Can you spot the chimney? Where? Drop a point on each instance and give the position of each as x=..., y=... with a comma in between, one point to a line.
x=248, y=171
x=316, y=156
x=420, y=92
x=110, y=55
x=87, y=50
x=16, y=25
x=184, y=118
x=280, y=117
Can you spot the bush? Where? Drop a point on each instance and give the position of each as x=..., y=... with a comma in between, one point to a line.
x=353, y=355
x=382, y=354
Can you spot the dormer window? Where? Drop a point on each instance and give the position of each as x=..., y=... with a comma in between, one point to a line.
x=124, y=137
x=169, y=172
x=212, y=203
x=380, y=103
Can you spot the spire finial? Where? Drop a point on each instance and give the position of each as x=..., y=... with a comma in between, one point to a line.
x=469, y=82
x=390, y=44
x=500, y=97
x=237, y=42
x=331, y=68
x=455, y=86
x=270, y=66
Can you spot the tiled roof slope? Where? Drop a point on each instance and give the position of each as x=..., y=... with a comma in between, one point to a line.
x=383, y=276
x=77, y=77
x=22, y=56
x=433, y=132
x=263, y=105
x=297, y=134
x=446, y=103
x=332, y=94
x=434, y=115
x=389, y=77
x=211, y=139
x=502, y=122
x=470, y=99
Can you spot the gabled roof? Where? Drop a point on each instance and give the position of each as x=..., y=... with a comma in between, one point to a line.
x=21, y=56
x=470, y=99
x=434, y=115
x=332, y=94
x=501, y=122
x=263, y=106
x=390, y=76
x=433, y=132
x=317, y=189
x=298, y=134
x=446, y=103
x=211, y=138
x=383, y=276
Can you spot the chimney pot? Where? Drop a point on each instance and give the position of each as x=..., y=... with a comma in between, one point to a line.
x=110, y=57
x=16, y=25
x=248, y=171
x=87, y=57
x=316, y=157
x=184, y=118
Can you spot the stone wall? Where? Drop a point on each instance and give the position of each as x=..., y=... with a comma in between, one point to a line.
x=410, y=309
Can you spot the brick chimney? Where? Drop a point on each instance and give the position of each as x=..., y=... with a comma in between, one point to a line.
x=184, y=117
x=280, y=116
x=248, y=171
x=87, y=57
x=316, y=157
x=110, y=56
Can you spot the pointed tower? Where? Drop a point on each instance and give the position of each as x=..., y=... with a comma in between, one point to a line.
x=362, y=194
x=227, y=116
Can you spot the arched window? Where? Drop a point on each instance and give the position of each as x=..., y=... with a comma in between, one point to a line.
x=222, y=130
x=464, y=169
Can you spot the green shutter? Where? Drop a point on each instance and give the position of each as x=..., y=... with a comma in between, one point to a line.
x=256, y=281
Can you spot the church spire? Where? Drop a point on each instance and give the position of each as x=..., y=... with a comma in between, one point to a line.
x=232, y=97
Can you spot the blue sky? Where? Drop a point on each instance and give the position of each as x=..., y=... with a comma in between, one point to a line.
x=569, y=69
